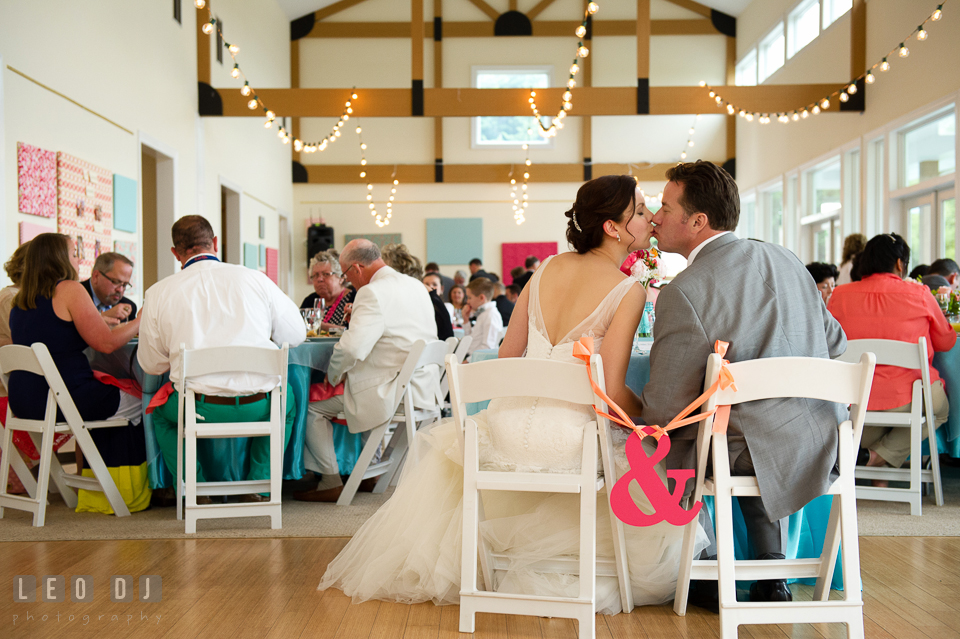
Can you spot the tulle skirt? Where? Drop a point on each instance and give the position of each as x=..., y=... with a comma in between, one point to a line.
x=409, y=551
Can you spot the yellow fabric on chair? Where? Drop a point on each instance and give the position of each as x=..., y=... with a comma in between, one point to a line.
x=131, y=481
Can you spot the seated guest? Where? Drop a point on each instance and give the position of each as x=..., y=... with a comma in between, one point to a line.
x=227, y=305
x=14, y=269
x=328, y=285
x=516, y=272
x=884, y=306
x=513, y=293
x=399, y=259
x=504, y=305
x=852, y=246
x=391, y=312
x=458, y=297
x=109, y=279
x=486, y=330
x=935, y=282
x=529, y=265
x=476, y=270
x=446, y=282
x=459, y=279
x=825, y=275
x=52, y=307
x=919, y=271
x=948, y=269
x=442, y=310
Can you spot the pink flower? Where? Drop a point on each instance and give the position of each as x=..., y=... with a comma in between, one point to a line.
x=629, y=262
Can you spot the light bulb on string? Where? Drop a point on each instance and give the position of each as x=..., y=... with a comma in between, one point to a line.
x=804, y=114
x=234, y=49
x=938, y=13
x=825, y=104
x=200, y=4
x=921, y=33
x=903, y=52
x=592, y=8
x=844, y=97
x=246, y=89
x=852, y=88
x=252, y=104
x=870, y=78
x=581, y=31
x=235, y=72
x=574, y=68
x=582, y=51
x=207, y=28
x=884, y=65
x=815, y=110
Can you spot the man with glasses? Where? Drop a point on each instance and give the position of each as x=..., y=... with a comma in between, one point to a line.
x=111, y=276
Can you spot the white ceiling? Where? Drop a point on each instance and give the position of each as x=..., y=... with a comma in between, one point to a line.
x=296, y=8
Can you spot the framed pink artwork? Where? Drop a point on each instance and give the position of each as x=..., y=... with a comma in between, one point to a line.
x=29, y=230
x=85, y=207
x=273, y=265
x=36, y=181
x=514, y=254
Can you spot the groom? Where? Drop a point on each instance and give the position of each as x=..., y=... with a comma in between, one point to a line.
x=760, y=299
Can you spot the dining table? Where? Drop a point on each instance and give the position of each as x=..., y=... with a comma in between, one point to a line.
x=227, y=459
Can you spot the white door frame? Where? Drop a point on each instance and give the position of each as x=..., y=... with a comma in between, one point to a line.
x=167, y=214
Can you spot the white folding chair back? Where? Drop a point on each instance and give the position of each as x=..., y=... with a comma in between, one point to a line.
x=229, y=359
x=914, y=357
x=396, y=442
x=36, y=359
x=520, y=377
x=769, y=378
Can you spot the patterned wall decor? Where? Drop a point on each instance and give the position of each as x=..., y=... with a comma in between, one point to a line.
x=515, y=253
x=84, y=207
x=29, y=230
x=273, y=265
x=380, y=239
x=129, y=249
x=36, y=180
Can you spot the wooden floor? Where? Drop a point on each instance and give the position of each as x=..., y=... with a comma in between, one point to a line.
x=267, y=588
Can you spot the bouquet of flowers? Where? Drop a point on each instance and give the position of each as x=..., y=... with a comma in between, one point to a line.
x=644, y=266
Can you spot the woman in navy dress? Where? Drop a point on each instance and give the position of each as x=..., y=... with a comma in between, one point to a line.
x=52, y=307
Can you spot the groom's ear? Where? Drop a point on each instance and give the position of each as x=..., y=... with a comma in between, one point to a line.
x=700, y=221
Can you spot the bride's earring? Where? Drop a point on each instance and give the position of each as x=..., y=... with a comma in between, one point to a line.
x=618, y=238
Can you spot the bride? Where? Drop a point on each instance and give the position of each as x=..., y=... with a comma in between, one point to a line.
x=409, y=551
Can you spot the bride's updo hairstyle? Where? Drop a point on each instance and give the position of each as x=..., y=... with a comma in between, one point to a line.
x=599, y=200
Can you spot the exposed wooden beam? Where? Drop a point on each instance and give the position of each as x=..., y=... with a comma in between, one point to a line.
x=858, y=38
x=464, y=102
x=437, y=81
x=203, y=49
x=416, y=39
x=336, y=7
x=642, y=31
x=295, y=84
x=512, y=5
x=545, y=28
x=586, y=122
x=492, y=13
x=473, y=173
x=731, y=73
x=690, y=5
x=538, y=8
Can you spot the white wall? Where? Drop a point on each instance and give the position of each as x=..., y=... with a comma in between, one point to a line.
x=133, y=64
x=767, y=151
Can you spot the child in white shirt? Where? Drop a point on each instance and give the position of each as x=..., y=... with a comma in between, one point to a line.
x=486, y=330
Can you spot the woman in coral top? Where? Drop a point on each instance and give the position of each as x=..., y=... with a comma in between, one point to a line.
x=882, y=305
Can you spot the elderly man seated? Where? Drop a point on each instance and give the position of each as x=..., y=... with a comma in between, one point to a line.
x=390, y=313
x=210, y=304
x=109, y=279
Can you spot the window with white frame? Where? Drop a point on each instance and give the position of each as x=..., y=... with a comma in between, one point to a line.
x=833, y=9
x=772, y=202
x=747, y=226
x=821, y=209
x=747, y=70
x=507, y=131
x=928, y=148
x=803, y=26
x=771, y=53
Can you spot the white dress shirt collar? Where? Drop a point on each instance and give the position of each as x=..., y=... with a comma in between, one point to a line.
x=696, y=251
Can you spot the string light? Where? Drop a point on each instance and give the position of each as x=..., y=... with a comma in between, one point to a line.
x=381, y=220
x=690, y=132
x=556, y=123
x=521, y=201
x=843, y=93
x=200, y=4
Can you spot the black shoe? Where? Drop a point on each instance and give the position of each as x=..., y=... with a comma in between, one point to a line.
x=863, y=456
x=771, y=589
x=704, y=594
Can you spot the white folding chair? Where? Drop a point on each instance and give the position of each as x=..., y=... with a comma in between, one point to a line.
x=397, y=440
x=769, y=378
x=521, y=377
x=36, y=359
x=914, y=357
x=229, y=359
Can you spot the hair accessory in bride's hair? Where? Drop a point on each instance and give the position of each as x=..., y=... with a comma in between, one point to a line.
x=575, y=225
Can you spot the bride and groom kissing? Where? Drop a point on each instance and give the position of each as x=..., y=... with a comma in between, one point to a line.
x=756, y=296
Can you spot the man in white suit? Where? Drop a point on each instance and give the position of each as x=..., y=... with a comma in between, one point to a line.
x=390, y=313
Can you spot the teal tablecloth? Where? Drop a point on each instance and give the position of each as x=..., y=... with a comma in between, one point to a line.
x=948, y=435
x=227, y=459
x=806, y=528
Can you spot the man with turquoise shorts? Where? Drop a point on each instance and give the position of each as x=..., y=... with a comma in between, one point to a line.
x=209, y=304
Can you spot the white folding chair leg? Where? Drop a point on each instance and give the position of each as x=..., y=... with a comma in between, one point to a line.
x=179, y=479
x=471, y=532
x=95, y=461
x=190, y=474
x=43, y=478
x=366, y=456
x=935, y=461
x=57, y=476
x=828, y=556
x=397, y=451
x=14, y=462
x=686, y=565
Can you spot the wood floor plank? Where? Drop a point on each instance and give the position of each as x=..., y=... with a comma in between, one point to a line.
x=392, y=618
x=557, y=628
x=450, y=623
x=523, y=627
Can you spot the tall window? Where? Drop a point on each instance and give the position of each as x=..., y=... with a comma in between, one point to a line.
x=833, y=9
x=928, y=149
x=506, y=131
x=771, y=52
x=747, y=70
x=803, y=26
x=747, y=226
x=773, y=210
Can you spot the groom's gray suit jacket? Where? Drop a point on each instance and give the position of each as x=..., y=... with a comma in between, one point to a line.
x=760, y=299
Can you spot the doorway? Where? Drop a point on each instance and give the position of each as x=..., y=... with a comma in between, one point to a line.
x=158, y=205
x=231, y=249
x=284, y=266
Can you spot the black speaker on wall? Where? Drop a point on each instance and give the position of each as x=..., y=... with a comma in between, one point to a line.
x=319, y=238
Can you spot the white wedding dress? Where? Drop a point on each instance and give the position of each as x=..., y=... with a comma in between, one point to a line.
x=409, y=551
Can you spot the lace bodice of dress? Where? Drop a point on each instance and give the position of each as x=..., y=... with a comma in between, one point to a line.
x=531, y=434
